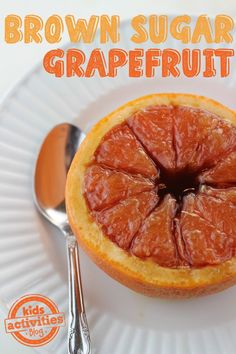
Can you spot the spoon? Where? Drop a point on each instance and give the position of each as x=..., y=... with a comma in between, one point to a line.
x=53, y=163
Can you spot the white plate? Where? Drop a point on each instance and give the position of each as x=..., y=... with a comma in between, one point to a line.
x=32, y=253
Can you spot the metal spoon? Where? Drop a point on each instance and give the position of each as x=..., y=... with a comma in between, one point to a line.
x=54, y=160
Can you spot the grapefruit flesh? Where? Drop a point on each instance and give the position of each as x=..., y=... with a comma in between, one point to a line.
x=120, y=150
x=201, y=138
x=104, y=188
x=162, y=186
x=122, y=221
x=155, y=237
x=224, y=172
x=219, y=212
x=154, y=128
x=226, y=194
x=204, y=242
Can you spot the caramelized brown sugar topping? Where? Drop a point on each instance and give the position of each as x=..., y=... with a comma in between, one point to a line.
x=162, y=186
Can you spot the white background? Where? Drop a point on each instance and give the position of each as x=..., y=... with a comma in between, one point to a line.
x=16, y=60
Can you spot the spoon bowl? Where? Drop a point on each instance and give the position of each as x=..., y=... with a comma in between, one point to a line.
x=53, y=163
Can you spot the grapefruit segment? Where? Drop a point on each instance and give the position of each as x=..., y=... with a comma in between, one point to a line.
x=223, y=173
x=218, y=212
x=154, y=128
x=226, y=194
x=155, y=238
x=119, y=149
x=201, y=138
x=104, y=188
x=121, y=222
x=204, y=243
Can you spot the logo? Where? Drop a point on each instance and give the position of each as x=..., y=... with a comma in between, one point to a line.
x=34, y=320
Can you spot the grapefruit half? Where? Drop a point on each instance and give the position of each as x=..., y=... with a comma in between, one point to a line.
x=151, y=195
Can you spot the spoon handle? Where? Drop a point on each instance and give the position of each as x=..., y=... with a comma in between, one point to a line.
x=78, y=331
